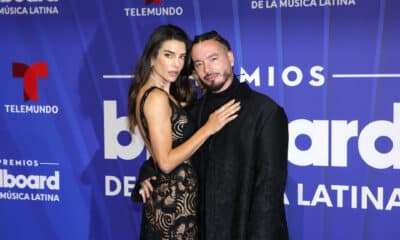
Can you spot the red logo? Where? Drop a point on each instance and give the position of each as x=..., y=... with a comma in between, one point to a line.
x=30, y=74
x=155, y=1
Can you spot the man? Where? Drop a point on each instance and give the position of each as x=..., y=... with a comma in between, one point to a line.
x=242, y=169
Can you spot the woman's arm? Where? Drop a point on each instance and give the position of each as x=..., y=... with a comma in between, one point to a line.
x=158, y=115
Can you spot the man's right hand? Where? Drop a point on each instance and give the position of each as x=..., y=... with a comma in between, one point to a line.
x=146, y=188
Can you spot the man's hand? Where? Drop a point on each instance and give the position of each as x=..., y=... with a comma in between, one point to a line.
x=146, y=188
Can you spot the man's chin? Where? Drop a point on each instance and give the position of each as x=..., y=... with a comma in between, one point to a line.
x=214, y=87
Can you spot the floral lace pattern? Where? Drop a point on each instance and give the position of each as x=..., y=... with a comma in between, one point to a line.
x=170, y=213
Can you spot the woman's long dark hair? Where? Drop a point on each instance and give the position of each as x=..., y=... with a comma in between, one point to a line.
x=182, y=90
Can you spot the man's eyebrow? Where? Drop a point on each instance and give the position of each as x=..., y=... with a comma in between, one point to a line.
x=209, y=56
x=212, y=55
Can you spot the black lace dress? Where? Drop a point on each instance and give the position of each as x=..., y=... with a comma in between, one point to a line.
x=170, y=213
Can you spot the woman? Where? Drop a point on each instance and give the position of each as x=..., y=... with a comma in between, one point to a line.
x=160, y=88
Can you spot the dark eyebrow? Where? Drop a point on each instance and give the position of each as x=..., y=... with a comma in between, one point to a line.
x=172, y=52
x=213, y=55
x=168, y=51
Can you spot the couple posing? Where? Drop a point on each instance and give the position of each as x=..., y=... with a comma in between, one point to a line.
x=219, y=163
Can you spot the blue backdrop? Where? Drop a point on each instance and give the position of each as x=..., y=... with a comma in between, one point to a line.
x=68, y=163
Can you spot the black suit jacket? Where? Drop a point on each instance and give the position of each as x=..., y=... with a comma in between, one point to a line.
x=242, y=170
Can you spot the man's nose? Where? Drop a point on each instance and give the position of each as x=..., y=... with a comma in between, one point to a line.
x=207, y=67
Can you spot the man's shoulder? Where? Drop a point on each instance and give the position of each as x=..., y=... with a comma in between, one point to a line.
x=260, y=100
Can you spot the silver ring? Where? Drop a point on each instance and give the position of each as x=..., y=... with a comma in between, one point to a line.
x=141, y=191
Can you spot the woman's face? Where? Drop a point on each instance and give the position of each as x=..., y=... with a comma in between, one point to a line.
x=169, y=61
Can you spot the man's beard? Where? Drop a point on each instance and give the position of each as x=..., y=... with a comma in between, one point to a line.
x=216, y=87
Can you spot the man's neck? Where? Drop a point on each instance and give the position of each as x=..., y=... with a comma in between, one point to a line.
x=226, y=86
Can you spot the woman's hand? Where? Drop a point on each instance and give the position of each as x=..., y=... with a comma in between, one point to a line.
x=223, y=115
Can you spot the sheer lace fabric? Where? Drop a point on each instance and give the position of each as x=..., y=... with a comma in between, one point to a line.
x=170, y=213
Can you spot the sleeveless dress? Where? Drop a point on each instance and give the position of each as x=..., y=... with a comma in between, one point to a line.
x=170, y=213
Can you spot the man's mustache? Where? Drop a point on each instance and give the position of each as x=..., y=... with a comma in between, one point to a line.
x=209, y=74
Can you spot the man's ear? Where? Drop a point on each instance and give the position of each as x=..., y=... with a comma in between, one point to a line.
x=231, y=58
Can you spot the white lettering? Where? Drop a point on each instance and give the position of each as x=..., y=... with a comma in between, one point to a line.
x=161, y=11
x=366, y=195
x=32, y=181
x=298, y=76
x=43, y=109
x=291, y=76
x=317, y=154
x=257, y=4
x=318, y=78
x=394, y=200
x=113, y=125
x=323, y=195
x=255, y=77
x=375, y=130
x=113, y=185
x=300, y=197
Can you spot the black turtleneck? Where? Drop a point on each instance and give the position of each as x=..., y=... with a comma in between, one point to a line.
x=215, y=100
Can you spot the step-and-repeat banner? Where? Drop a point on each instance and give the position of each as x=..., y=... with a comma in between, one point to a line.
x=68, y=162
